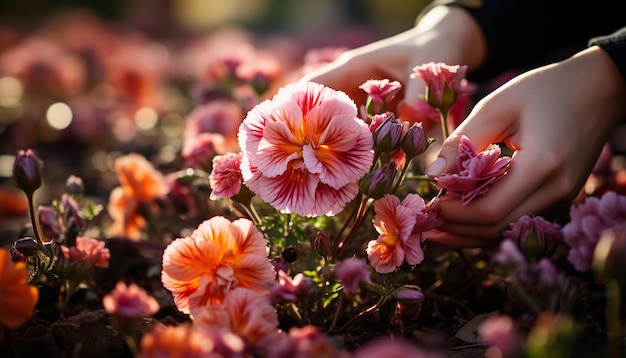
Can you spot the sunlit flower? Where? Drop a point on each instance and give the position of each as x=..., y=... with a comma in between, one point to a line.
x=400, y=225
x=247, y=313
x=129, y=301
x=187, y=340
x=305, y=150
x=379, y=93
x=287, y=289
x=225, y=178
x=90, y=250
x=141, y=184
x=17, y=297
x=500, y=333
x=476, y=171
x=352, y=273
x=218, y=256
x=443, y=82
x=588, y=222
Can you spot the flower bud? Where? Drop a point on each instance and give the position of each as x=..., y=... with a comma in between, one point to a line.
x=414, y=141
x=410, y=299
x=448, y=97
x=377, y=183
x=321, y=243
x=74, y=186
x=388, y=135
x=27, y=171
x=290, y=254
x=27, y=246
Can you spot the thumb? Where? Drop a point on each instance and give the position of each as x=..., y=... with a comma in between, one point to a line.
x=445, y=161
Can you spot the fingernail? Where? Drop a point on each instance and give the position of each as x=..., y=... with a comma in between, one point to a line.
x=436, y=167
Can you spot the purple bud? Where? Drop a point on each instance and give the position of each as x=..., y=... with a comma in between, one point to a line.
x=321, y=243
x=414, y=141
x=74, y=186
x=27, y=171
x=410, y=299
x=377, y=183
x=27, y=246
x=388, y=135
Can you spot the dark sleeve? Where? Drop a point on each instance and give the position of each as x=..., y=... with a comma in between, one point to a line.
x=524, y=34
x=615, y=46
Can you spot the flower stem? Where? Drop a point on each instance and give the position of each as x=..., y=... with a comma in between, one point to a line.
x=374, y=308
x=613, y=317
x=443, y=114
x=33, y=218
x=361, y=213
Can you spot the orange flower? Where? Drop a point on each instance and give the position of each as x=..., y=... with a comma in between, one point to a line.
x=17, y=297
x=247, y=313
x=190, y=341
x=218, y=256
x=140, y=183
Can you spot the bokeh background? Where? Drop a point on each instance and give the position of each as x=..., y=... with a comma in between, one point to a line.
x=83, y=82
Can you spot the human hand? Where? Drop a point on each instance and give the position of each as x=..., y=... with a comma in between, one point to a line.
x=444, y=34
x=557, y=118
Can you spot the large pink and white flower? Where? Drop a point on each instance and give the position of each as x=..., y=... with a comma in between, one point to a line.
x=476, y=171
x=400, y=225
x=305, y=150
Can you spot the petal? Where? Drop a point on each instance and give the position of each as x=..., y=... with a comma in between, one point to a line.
x=329, y=201
x=292, y=192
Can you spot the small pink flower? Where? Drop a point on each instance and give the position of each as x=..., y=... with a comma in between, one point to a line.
x=500, y=332
x=509, y=254
x=199, y=150
x=129, y=301
x=352, y=273
x=380, y=92
x=400, y=225
x=443, y=82
x=225, y=178
x=476, y=171
x=90, y=250
x=588, y=221
x=287, y=289
x=305, y=150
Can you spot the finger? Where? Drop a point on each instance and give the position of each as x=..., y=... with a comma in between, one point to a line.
x=489, y=122
x=456, y=241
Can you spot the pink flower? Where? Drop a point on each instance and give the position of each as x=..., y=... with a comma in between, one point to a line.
x=500, y=332
x=352, y=273
x=217, y=117
x=400, y=226
x=535, y=236
x=129, y=301
x=219, y=256
x=247, y=313
x=443, y=82
x=287, y=289
x=509, y=254
x=199, y=150
x=305, y=150
x=588, y=221
x=225, y=178
x=90, y=250
x=475, y=171
x=380, y=92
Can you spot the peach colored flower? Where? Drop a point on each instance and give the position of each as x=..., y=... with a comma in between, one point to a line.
x=129, y=301
x=225, y=178
x=400, y=225
x=90, y=250
x=305, y=150
x=247, y=313
x=187, y=340
x=218, y=256
x=141, y=184
x=476, y=171
x=17, y=297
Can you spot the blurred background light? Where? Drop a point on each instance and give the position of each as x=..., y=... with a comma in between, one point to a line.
x=59, y=115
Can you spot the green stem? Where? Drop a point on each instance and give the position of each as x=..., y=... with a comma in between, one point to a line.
x=361, y=213
x=613, y=317
x=443, y=114
x=374, y=308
